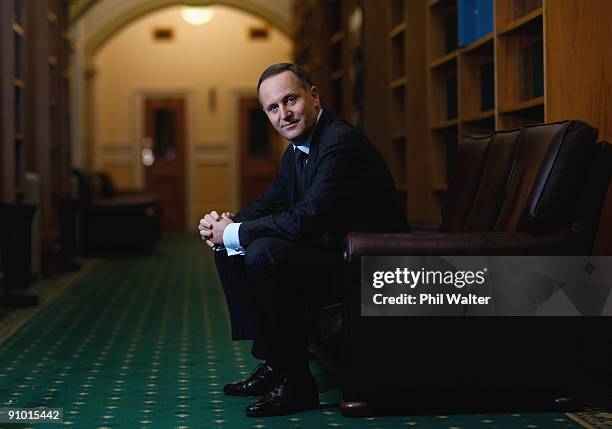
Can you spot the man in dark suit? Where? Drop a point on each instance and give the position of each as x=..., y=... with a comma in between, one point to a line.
x=280, y=253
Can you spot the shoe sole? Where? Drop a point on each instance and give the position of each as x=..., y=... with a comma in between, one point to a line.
x=244, y=395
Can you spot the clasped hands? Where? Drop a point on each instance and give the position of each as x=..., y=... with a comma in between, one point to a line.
x=212, y=225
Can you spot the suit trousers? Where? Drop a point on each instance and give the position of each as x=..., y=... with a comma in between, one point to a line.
x=269, y=291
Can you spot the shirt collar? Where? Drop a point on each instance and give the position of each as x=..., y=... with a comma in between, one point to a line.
x=304, y=145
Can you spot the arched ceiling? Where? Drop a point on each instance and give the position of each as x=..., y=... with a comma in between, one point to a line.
x=100, y=19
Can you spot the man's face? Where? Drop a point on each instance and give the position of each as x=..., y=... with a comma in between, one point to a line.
x=291, y=109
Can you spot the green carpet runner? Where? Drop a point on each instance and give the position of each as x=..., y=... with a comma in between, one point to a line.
x=143, y=342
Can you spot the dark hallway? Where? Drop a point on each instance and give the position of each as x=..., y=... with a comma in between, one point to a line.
x=144, y=342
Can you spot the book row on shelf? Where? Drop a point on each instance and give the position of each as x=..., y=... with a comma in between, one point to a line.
x=35, y=117
x=486, y=65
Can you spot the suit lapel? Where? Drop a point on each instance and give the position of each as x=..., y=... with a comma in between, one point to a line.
x=313, y=156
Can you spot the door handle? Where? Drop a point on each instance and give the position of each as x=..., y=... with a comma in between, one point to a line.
x=146, y=154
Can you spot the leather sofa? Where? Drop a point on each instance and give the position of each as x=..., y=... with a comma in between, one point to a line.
x=537, y=190
x=114, y=222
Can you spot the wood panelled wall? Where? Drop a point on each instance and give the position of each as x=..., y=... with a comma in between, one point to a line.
x=35, y=116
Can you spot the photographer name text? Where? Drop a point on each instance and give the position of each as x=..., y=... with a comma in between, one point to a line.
x=411, y=279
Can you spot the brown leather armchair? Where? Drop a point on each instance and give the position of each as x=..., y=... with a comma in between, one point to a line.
x=114, y=222
x=537, y=190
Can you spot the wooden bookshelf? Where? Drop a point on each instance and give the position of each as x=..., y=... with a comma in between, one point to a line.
x=19, y=107
x=479, y=44
x=310, y=45
x=336, y=28
x=511, y=13
x=519, y=37
x=42, y=117
x=443, y=141
x=405, y=60
x=33, y=96
x=398, y=29
x=477, y=86
x=542, y=61
x=320, y=45
x=527, y=24
x=528, y=70
x=398, y=83
x=443, y=61
x=20, y=81
x=443, y=125
x=13, y=87
x=368, y=77
x=481, y=116
x=396, y=26
x=442, y=94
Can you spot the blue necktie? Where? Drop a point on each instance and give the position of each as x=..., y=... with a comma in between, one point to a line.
x=300, y=161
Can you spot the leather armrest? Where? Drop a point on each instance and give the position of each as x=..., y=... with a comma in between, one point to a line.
x=564, y=242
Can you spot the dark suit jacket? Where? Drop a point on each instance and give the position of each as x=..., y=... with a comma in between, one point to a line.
x=347, y=187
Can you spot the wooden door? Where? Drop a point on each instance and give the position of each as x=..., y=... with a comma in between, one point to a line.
x=259, y=154
x=163, y=156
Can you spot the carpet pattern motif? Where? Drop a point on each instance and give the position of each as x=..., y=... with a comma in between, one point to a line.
x=143, y=342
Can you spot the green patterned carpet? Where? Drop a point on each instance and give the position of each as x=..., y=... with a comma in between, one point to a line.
x=144, y=343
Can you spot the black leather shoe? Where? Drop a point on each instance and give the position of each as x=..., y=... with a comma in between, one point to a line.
x=288, y=397
x=261, y=381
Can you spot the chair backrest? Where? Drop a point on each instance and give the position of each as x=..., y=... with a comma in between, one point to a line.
x=90, y=186
x=85, y=187
x=548, y=176
x=528, y=179
x=107, y=187
x=468, y=169
x=494, y=183
x=592, y=203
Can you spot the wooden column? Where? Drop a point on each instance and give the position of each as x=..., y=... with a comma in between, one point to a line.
x=39, y=131
x=419, y=198
x=88, y=149
x=7, y=112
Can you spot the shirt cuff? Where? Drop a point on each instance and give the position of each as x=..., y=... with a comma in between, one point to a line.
x=231, y=240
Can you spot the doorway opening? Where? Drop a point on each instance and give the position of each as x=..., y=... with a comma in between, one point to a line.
x=163, y=157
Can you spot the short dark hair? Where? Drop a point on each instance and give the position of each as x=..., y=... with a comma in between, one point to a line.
x=275, y=69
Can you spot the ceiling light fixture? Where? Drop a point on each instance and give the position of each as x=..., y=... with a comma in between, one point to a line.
x=197, y=15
